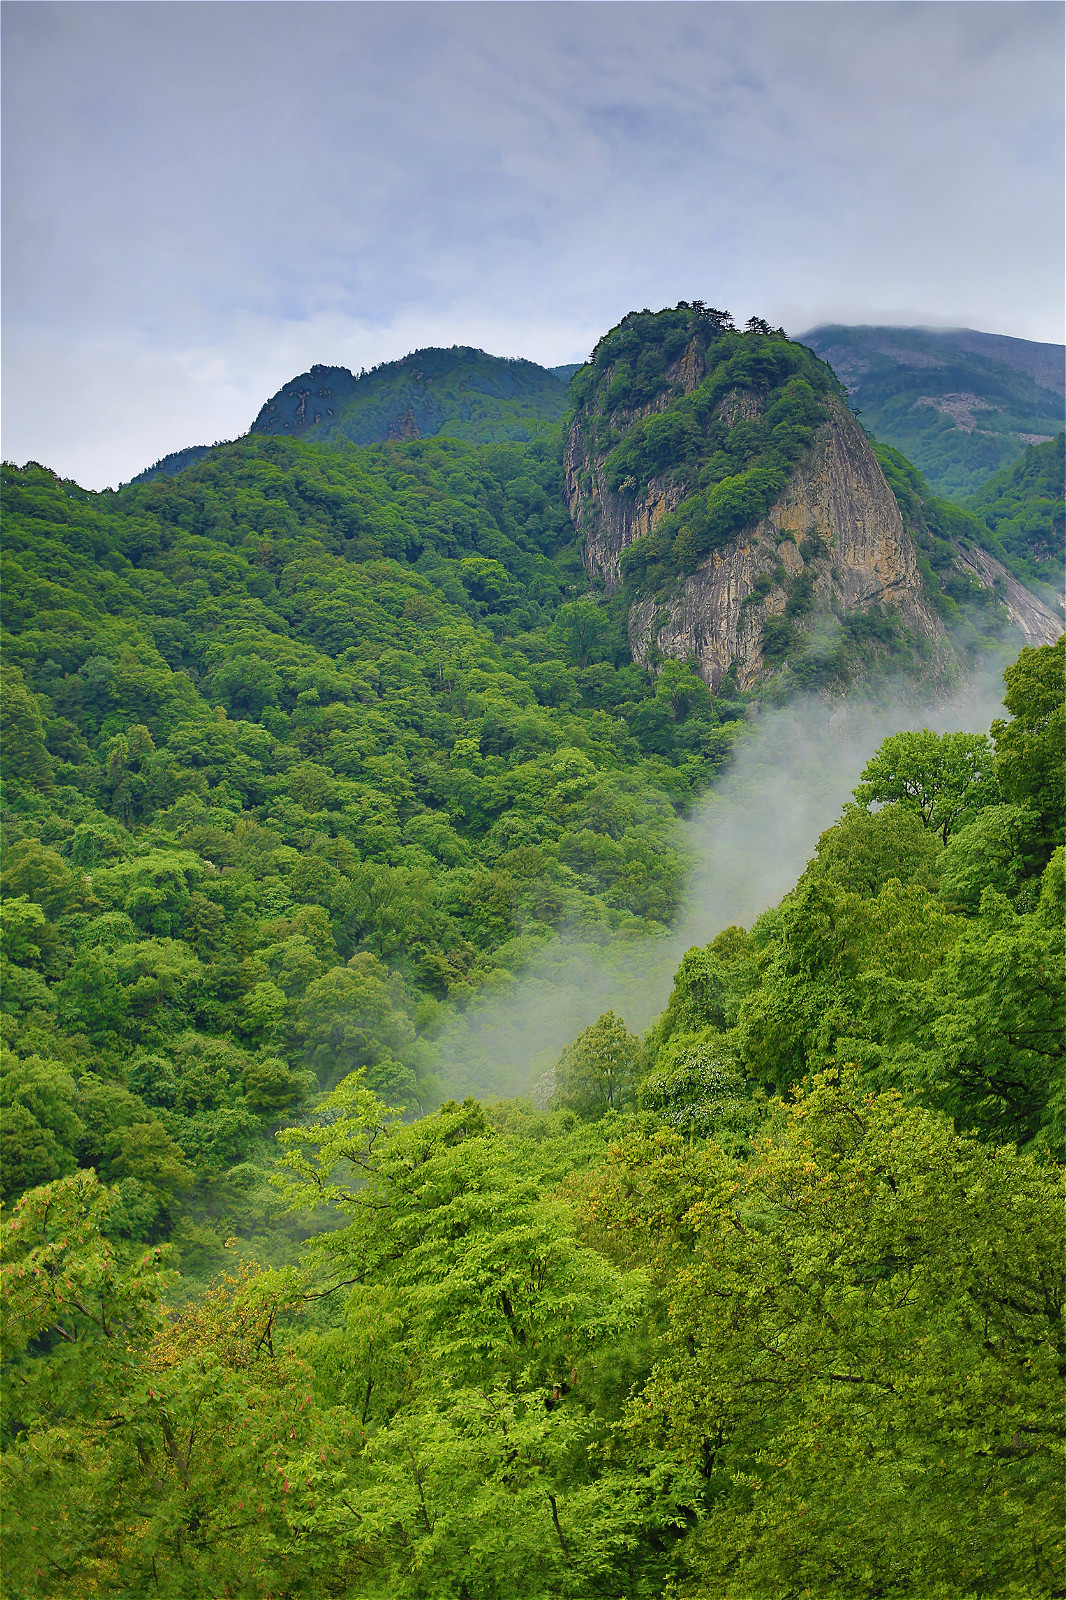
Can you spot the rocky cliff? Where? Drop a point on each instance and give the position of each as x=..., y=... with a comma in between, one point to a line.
x=611, y=521
x=831, y=545
x=1035, y=621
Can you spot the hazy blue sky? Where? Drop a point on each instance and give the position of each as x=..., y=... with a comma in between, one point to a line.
x=203, y=199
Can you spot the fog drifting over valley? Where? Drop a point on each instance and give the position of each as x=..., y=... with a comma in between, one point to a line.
x=749, y=839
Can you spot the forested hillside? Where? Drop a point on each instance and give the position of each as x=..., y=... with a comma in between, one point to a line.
x=306, y=746
x=299, y=746
x=768, y=1302
x=961, y=405
x=461, y=392
x=1023, y=508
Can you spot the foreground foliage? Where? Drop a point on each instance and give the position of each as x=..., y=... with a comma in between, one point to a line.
x=768, y=1303
x=576, y=1359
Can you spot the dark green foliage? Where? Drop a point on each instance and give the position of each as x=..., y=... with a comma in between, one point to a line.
x=598, y=1071
x=957, y=403
x=1023, y=507
x=1031, y=747
x=299, y=744
x=462, y=393
x=672, y=1337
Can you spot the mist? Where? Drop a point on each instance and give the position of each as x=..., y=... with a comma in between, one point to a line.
x=748, y=841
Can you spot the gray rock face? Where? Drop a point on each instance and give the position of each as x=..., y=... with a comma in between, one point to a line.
x=612, y=521
x=1036, y=622
x=838, y=520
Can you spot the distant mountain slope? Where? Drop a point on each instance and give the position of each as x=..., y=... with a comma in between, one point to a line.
x=960, y=404
x=1023, y=505
x=461, y=392
x=175, y=462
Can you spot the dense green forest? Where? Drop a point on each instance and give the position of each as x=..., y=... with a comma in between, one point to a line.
x=299, y=747
x=961, y=405
x=1022, y=506
x=459, y=392
x=305, y=748
x=768, y=1302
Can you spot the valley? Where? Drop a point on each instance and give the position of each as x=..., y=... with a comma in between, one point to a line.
x=532, y=980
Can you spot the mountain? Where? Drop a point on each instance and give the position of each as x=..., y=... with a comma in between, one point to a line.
x=726, y=492
x=691, y=440
x=175, y=462
x=461, y=392
x=958, y=403
x=308, y=754
x=1022, y=506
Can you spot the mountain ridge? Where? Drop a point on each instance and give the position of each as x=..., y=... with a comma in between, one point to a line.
x=959, y=403
x=457, y=390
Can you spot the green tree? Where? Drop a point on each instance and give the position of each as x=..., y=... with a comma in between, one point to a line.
x=943, y=778
x=990, y=1048
x=581, y=630
x=23, y=748
x=40, y=1128
x=354, y=1017
x=1030, y=748
x=597, y=1072
x=988, y=853
x=153, y=1453
x=867, y=1323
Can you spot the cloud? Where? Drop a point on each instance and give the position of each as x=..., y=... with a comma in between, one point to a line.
x=202, y=199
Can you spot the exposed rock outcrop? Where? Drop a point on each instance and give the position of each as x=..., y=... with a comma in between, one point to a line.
x=1036, y=622
x=612, y=521
x=835, y=538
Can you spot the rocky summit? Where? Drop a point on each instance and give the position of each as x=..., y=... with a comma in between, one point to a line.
x=721, y=482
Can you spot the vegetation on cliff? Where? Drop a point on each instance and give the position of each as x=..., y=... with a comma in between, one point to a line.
x=1023, y=508
x=679, y=409
x=730, y=444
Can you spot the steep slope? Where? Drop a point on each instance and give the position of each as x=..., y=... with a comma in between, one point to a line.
x=170, y=465
x=958, y=403
x=1023, y=506
x=461, y=392
x=740, y=504
x=968, y=574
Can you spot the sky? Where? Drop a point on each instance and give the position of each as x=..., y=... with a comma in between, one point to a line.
x=203, y=199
